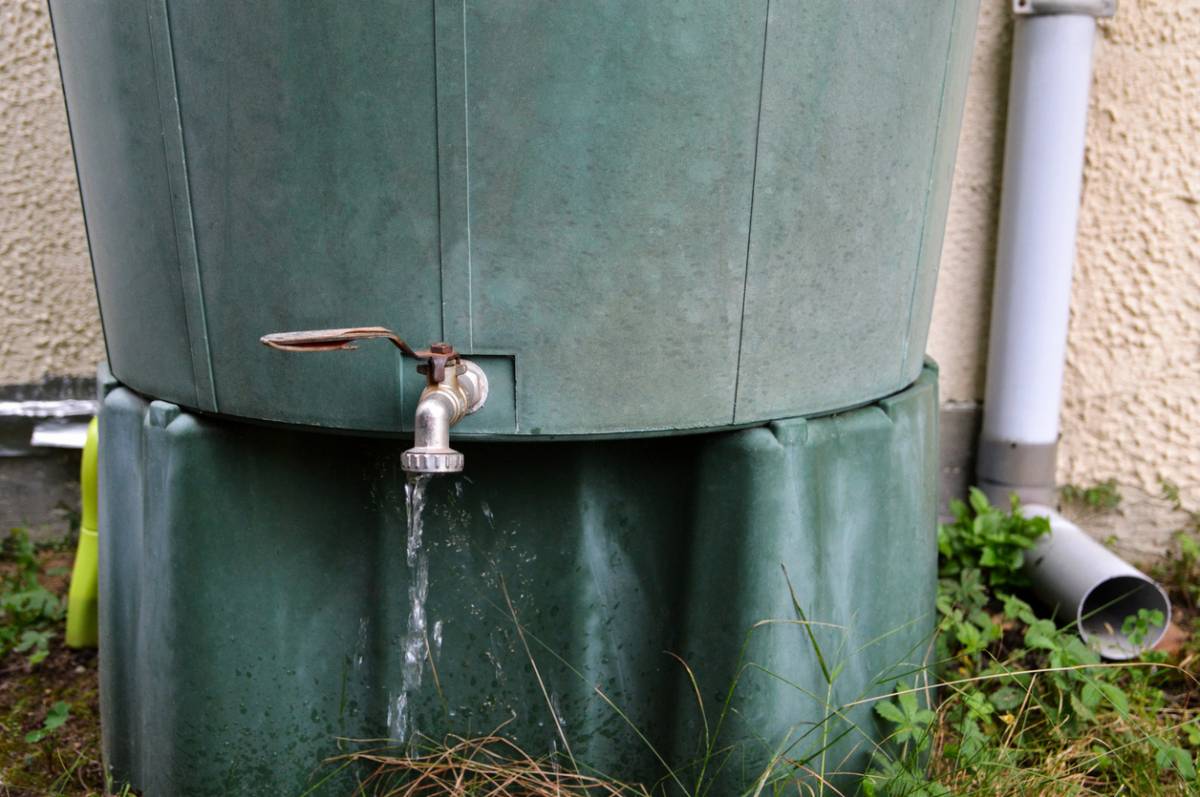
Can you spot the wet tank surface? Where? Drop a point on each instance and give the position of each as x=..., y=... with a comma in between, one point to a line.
x=265, y=594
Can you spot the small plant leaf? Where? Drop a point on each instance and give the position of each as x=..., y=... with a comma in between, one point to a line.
x=59, y=713
x=890, y=712
x=1115, y=695
x=1174, y=757
x=1006, y=698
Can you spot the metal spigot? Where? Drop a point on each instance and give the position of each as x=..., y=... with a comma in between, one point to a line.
x=454, y=388
x=462, y=390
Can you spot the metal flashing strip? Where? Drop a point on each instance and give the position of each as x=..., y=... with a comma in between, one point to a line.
x=59, y=434
x=21, y=420
x=1090, y=8
x=60, y=408
x=175, y=156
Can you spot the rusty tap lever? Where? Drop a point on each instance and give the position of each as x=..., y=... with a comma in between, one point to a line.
x=436, y=358
x=454, y=388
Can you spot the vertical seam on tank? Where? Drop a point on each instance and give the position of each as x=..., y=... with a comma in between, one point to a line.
x=437, y=167
x=453, y=173
x=87, y=233
x=194, y=251
x=937, y=135
x=762, y=79
x=186, y=249
x=467, y=188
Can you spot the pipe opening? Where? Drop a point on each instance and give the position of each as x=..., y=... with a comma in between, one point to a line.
x=1103, y=610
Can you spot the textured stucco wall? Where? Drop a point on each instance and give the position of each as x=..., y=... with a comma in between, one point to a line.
x=48, y=318
x=958, y=337
x=1132, y=398
x=1132, y=392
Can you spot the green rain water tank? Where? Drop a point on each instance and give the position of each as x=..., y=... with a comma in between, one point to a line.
x=637, y=216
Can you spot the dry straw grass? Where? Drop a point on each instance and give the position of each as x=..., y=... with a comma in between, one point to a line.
x=487, y=766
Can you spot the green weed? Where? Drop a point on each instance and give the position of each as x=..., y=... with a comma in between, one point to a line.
x=1102, y=497
x=1180, y=568
x=1027, y=707
x=1137, y=627
x=986, y=539
x=29, y=613
x=56, y=717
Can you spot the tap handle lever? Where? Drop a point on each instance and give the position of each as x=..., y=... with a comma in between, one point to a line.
x=438, y=355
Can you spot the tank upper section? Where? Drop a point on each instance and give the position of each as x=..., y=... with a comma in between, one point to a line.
x=636, y=217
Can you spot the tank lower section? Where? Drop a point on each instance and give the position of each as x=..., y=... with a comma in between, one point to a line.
x=258, y=592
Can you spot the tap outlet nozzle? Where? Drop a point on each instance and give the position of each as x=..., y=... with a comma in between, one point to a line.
x=462, y=391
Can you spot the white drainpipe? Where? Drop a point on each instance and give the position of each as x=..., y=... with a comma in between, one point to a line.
x=1039, y=209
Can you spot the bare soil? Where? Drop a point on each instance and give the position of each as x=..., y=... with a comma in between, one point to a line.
x=67, y=761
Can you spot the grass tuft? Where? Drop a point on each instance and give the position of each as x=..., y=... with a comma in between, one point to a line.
x=471, y=767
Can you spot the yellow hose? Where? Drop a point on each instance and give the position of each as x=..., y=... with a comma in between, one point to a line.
x=82, y=631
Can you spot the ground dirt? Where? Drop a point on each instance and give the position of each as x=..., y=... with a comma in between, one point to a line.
x=67, y=761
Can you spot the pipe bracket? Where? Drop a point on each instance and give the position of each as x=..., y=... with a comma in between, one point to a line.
x=1017, y=465
x=1101, y=9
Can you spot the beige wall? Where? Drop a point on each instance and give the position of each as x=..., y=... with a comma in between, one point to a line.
x=1132, y=393
x=1132, y=399
x=48, y=318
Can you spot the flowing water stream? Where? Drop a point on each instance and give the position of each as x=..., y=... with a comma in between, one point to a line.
x=415, y=641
